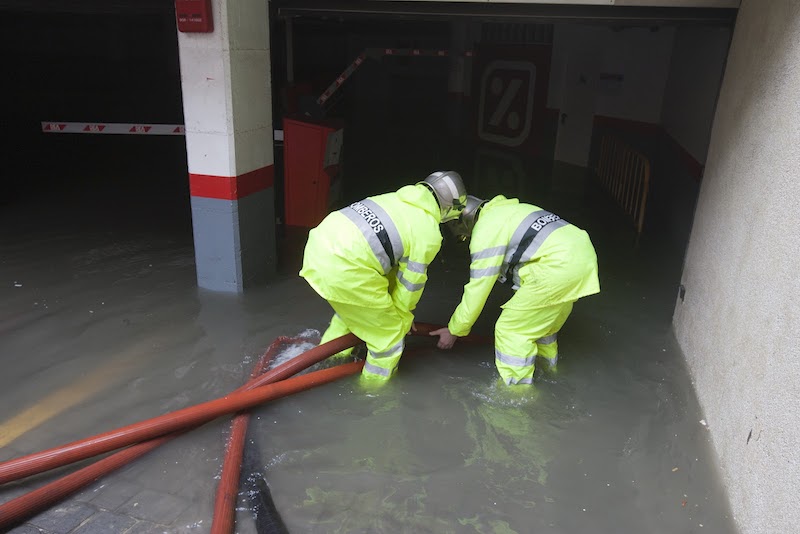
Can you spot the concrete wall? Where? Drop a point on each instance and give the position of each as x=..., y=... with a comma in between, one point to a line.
x=690, y=96
x=643, y=58
x=738, y=325
x=645, y=3
x=584, y=60
x=698, y=61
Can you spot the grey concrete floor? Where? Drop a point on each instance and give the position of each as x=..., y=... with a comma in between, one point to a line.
x=102, y=325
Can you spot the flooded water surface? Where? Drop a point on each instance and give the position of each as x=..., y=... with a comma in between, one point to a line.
x=102, y=327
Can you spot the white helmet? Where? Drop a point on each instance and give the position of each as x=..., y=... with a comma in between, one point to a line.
x=448, y=188
x=462, y=228
x=471, y=212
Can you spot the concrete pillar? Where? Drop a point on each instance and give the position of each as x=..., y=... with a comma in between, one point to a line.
x=457, y=83
x=227, y=103
x=458, y=39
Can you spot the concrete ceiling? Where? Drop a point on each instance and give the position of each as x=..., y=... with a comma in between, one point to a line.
x=87, y=7
x=588, y=11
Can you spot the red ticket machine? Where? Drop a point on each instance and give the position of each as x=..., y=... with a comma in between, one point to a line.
x=312, y=151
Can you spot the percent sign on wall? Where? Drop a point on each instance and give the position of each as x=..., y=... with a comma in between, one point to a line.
x=506, y=102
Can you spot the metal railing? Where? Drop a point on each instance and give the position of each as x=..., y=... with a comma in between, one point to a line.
x=625, y=173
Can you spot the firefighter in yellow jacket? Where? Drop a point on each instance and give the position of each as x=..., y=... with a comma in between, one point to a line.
x=370, y=261
x=551, y=264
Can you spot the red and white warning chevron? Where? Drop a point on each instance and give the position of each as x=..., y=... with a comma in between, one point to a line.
x=112, y=128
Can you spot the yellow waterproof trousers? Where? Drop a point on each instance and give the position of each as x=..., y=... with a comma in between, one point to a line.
x=382, y=329
x=521, y=335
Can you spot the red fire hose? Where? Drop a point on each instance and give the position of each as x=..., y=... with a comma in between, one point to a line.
x=176, y=422
x=39, y=499
x=228, y=487
x=181, y=419
x=80, y=450
x=14, y=510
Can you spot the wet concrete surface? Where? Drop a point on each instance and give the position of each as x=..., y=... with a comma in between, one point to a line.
x=101, y=325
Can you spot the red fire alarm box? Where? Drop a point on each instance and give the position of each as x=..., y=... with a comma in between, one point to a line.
x=194, y=16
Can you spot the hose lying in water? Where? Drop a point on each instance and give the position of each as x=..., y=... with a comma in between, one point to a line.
x=53, y=492
x=17, y=510
x=181, y=419
x=228, y=487
x=14, y=510
x=39, y=462
x=24, y=506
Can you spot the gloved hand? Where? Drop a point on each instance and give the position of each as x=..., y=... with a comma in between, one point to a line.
x=446, y=339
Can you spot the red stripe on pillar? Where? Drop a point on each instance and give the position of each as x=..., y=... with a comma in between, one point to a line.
x=255, y=181
x=231, y=187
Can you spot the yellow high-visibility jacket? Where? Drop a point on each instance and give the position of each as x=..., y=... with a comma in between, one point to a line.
x=346, y=261
x=553, y=260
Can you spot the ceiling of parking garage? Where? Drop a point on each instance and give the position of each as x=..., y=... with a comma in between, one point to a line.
x=89, y=6
x=505, y=12
x=624, y=12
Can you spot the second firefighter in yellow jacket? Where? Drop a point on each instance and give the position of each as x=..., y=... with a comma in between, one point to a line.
x=370, y=261
x=551, y=264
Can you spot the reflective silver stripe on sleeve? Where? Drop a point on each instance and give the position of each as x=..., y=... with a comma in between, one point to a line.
x=370, y=236
x=514, y=360
x=547, y=339
x=488, y=253
x=539, y=239
x=409, y=285
x=415, y=266
x=511, y=381
x=374, y=369
x=394, y=350
x=388, y=225
x=488, y=271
